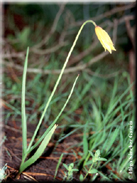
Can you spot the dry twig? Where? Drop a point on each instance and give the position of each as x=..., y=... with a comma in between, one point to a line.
x=53, y=28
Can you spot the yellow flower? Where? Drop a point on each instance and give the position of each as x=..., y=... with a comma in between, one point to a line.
x=104, y=39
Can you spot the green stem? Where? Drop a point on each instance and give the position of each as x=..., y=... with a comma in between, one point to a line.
x=88, y=171
x=86, y=159
x=69, y=54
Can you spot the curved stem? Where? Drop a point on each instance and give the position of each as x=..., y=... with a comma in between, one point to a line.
x=69, y=54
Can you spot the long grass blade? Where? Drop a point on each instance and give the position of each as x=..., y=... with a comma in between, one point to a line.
x=23, y=112
x=85, y=141
x=39, y=151
x=58, y=165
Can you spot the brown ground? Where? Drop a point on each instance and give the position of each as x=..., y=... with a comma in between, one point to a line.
x=44, y=167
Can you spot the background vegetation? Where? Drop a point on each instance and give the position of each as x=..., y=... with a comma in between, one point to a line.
x=102, y=104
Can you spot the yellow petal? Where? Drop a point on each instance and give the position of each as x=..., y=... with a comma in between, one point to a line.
x=104, y=39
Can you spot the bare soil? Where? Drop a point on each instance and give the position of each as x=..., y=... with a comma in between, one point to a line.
x=44, y=168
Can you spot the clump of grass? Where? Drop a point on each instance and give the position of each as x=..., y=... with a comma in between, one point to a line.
x=110, y=134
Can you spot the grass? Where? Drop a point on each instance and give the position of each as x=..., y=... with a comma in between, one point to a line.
x=111, y=129
x=106, y=117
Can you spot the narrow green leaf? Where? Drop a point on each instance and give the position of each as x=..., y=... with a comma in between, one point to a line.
x=102, y=159
x=66, y=166
x=58, y=165
x=74, y=170
x=112, y=139
x=23, y=112
x=39, y=151
x=124, y=164
x=85, y=142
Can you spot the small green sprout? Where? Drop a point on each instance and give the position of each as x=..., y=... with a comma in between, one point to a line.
x=69, y=175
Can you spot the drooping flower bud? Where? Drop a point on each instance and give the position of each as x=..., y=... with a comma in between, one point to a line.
x=104, y=39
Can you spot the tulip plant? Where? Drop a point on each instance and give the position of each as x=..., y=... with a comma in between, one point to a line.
x=43, y=141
